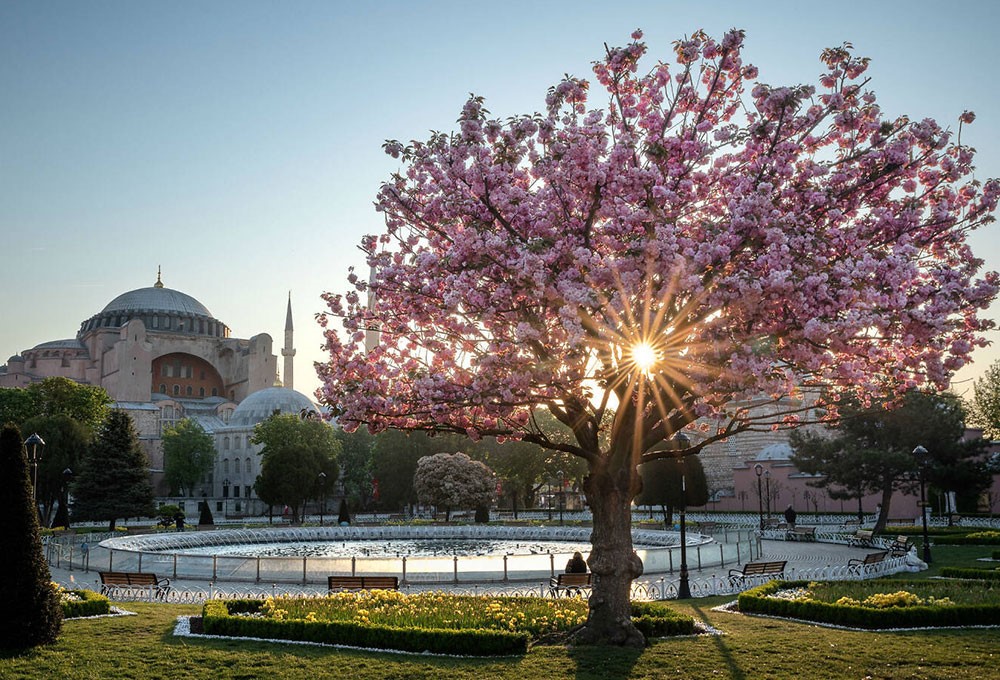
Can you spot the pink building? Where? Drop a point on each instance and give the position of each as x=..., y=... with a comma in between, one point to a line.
x=781, y=483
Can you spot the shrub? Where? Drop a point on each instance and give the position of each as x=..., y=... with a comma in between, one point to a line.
x=476, y=642
x=892, y=610
x=391, y=620
x=205, y=514
x=974, y=538
x=655, y=619
x=976, y=574
x=79, y=603
x=32, y=615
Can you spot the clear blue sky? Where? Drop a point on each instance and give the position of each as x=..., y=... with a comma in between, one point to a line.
x=238, y=144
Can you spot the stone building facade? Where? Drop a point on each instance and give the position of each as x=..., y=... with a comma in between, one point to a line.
x=162, y=356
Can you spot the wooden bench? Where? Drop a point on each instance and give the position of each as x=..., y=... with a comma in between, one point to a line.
x=901, y=521
x=866, y=564
x=706, y=528
x=362, y=583
x=753, y=570
x=861, y=537
x=569, y=584
x=112, y=580
x=772, y=523
x=900, y=546
x=802, y=534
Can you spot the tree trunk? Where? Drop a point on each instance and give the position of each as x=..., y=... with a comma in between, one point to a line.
x=613, y=561
x=883, y=515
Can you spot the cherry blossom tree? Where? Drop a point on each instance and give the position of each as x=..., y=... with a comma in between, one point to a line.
x=453, y=480
x=693, y=251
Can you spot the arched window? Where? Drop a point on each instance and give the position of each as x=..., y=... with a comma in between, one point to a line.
x=188, y=391
x=237, y=442
x=163, y=388
x=248, y=467
x=236, y=465
x=201, y=391
x=225, y=464
x=177, y=390
x=225, y=447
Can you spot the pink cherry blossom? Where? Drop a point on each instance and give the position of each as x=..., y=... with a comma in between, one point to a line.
x=775, y=245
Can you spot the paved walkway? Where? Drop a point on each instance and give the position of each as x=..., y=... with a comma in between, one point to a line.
x=799, y=555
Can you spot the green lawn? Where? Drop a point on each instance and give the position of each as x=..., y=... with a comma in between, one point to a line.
x=143, y=647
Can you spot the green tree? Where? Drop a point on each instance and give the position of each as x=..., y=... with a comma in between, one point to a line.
x=17, y=404
x=394, y=462
x=984, y=407
x=32, y=613
x=87, y=404
x=114, y=477
x=188, y=456
x=870, y=449
x=66, y=444
x=355, y=462
x=662, y=484
x=295, y=451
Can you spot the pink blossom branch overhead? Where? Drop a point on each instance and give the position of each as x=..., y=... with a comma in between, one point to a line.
x=760, y=239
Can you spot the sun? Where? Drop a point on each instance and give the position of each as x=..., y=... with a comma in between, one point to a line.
x=644, y=356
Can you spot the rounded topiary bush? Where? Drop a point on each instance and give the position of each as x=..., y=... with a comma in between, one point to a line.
x=32, y=613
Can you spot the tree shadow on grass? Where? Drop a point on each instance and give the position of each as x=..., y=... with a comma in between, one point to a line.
x=719, y=641
x=607, y=663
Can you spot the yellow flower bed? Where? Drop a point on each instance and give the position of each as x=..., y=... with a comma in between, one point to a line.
x=434, y=610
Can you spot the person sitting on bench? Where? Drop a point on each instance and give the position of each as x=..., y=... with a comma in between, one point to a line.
x=576, y=564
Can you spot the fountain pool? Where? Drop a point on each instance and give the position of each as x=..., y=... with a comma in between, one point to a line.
x=419, y=554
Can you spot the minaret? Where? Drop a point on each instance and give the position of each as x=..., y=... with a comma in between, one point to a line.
x=288, y=350
x=372, y=334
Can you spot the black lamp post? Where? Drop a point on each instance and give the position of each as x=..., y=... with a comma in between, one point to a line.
x=34, y=445
x=920, y=453
x=684, y=587
x=759, y=470
x=322, y=496
x=225, y=497
x=550, y=500
x=67, y=477
x=562, y=496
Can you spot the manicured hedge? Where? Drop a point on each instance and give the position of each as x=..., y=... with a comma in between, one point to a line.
x=756, y=601
x=90, y=604
x=996, y=554
x=218, y=621
x=974, y=538
x=979, y=574
x=654, y=619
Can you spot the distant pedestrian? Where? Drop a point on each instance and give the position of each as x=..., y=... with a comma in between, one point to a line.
x=790, y=517
x=179, y=521
x=576, y=564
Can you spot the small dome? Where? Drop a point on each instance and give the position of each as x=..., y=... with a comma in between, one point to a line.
x=71, y=343
x=260, y=405
x=780, y=451
x=159, y=300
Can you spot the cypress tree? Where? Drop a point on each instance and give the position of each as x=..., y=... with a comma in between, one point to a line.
x=344, y=516
x=32, y=614
x=114, y=478
x=205, y=518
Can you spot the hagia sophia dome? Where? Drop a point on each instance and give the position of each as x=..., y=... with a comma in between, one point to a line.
x=160, y=308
